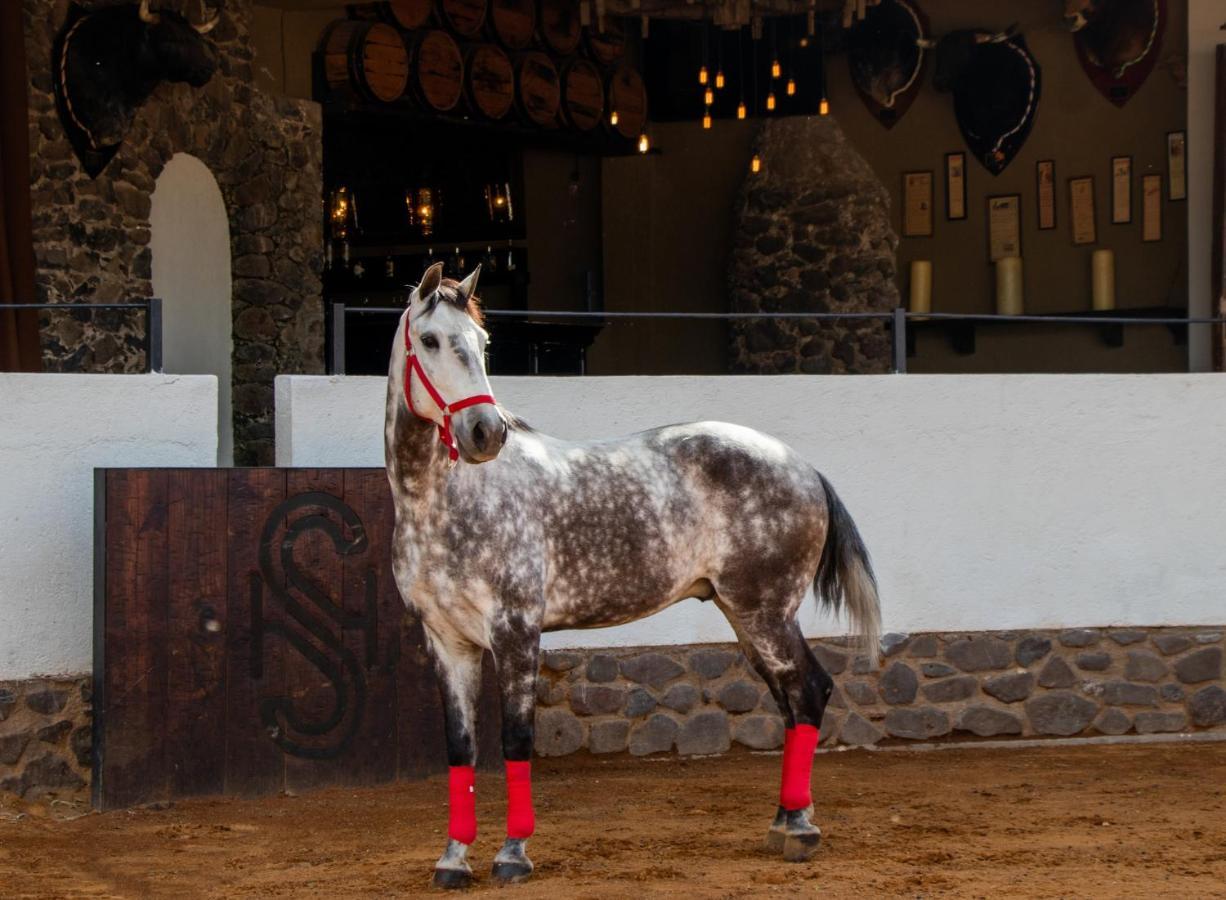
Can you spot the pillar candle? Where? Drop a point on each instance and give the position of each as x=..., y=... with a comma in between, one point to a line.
x=1009, y=286
x=921, y=286
x=1102, y=268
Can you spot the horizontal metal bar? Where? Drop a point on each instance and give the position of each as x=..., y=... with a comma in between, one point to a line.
x=1071, y=320
x=144, y=305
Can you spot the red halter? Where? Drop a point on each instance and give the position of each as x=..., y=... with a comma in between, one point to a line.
x=411, y=365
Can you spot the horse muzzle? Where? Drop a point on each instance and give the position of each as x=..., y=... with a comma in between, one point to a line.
x=480, y=433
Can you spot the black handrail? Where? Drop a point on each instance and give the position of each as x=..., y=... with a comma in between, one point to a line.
x=153, y=321
x=897, y=318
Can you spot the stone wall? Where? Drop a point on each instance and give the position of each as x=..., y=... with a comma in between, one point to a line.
x=928, y=687
x=91, y=236
x=45, y=738
x=813, y=234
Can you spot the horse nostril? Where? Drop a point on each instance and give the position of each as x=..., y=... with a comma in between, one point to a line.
x=479, y=436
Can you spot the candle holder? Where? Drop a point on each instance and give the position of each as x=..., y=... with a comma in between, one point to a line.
x=498, y=202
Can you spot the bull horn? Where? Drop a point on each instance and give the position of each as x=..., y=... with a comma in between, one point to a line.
x=146, y=15
x=209, y=24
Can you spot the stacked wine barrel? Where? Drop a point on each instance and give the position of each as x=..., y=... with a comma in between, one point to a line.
x=529, y=61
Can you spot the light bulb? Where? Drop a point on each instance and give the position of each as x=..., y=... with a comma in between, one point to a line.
x=706, y=120
x=740, y=111
x=770, y=100
x=791, y=87
x=708, y=97
x=613, y=117
x=823, y=108
x=719, y=80
x=702, y=75
x=755, y=165
x=776, y=69
x=644, y=144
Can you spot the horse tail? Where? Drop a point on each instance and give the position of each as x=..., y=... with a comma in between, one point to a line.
x=845, y=574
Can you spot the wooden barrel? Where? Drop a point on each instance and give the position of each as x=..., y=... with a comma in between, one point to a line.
x=513, y=22
x=628, y=96
x=366, y=57
x=609, y=46
x=560, y=26
x=438, y=69
x=489, y=80
x=407, y=14
x=582, y=94
x=537, y=88
x=464, y=17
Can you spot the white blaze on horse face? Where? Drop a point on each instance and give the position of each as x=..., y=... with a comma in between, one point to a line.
x=451, y=349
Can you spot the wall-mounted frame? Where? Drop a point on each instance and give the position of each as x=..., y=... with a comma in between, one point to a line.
x=955, y=186
x=1082, y=220
x=1176, y=165
x=1004, y=226
x=1121, y=190
x=1045, y=193
x=1151, y=208
x=917, y=204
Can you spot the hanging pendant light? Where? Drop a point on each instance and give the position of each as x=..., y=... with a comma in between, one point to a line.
x=776, y=69
x=755, y=164
x=706, y=120
x=613, y=117
x=708, y=97
x=791, y=88
x=740, y=110
x=770, y=101
x=823, y=107
x=703, y=75
x=644, y=143
x=720, y=81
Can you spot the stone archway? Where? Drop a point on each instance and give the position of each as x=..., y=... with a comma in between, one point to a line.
x=812, y=234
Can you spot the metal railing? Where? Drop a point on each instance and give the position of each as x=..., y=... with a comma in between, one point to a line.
x=897, y=319
x=152, y=307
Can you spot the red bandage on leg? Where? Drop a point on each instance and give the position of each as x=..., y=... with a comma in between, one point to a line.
x=521, y=820
x=462, y=795
x=798, y=746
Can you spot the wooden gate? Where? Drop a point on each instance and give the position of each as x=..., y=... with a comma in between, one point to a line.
x=249, y=637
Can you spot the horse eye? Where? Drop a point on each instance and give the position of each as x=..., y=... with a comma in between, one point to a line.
x=429, y=341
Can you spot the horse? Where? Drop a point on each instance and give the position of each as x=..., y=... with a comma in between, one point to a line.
x=502, y=533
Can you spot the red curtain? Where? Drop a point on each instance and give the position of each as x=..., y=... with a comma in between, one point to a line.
x=19, y=349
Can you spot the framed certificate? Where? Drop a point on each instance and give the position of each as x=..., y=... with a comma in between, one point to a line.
x=1177, y=166
x=1151, y=208
x=1045, y=193
x=917, y=204
x=1081, y=209
x=1121, y=190
x=1004, y=226
x=955, y=186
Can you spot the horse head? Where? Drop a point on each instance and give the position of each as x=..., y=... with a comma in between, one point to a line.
x=108, y=61
x=445, y=379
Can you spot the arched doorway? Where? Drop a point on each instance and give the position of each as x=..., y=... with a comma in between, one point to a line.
x=191, y=273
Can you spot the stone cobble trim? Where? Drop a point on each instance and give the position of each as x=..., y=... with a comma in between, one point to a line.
x=958, y=686
x=45, y=737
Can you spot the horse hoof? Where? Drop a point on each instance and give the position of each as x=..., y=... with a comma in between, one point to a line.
x=511, y=872
x=799, y=846
x=778, y=832
x=452, y=879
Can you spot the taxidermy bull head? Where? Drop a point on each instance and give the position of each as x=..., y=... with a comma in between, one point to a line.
x=107, y=61
x=1116, y=33
x=885, y=55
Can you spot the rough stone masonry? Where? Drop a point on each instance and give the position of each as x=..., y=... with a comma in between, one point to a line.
x=91, y=236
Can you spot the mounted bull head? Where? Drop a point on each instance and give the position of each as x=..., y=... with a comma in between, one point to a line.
x=886, y=57
x=1116, y=33
x=107, y=61
x=995, y=82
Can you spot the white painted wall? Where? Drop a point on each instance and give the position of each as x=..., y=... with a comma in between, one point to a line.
x=988, y=502
x=54, y=429
x=1205, y=20
x=190, y=242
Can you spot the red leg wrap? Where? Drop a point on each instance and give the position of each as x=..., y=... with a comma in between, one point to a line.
x=521, y=820
x=798, y=746
x=462, y=795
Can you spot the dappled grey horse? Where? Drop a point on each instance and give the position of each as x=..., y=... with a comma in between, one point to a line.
x=549, y=534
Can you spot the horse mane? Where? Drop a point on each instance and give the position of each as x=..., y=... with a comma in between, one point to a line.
x=449, y=291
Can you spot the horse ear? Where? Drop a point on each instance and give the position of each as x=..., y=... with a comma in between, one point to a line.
x=468, y=286
x=431, y=281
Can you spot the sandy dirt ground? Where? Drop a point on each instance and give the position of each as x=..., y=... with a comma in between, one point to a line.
x=1125, y=821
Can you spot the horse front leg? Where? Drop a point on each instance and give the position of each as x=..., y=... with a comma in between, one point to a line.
x=517, y=657
x=457, y=663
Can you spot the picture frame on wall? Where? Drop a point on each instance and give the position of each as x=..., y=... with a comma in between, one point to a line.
x=955, y=186
x=1045, y=193
x=1083, y=226
x=1004, y=226
x=1151, y=208
x=917, y=203
x=1176, y=165
x=1121, y=190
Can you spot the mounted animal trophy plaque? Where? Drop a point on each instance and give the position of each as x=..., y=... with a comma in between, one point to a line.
x=1117, y=42
x=996, y=83
x=885, y=52
x=107, y=60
